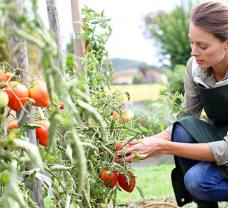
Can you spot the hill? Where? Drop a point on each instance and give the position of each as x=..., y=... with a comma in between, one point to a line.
x=121, y=64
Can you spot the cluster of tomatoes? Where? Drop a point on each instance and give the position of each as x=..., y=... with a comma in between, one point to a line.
x=16, y=95
x=110, y=178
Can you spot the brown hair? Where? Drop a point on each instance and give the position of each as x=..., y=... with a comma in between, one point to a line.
x=212, y=17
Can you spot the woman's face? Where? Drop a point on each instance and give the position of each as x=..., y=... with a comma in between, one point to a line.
x=206, y=48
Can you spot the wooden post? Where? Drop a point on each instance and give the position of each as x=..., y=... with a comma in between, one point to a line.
x=19, y=59
x=77, y=23
x=54, y=26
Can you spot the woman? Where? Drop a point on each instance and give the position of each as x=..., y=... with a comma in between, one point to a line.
x=200, y=148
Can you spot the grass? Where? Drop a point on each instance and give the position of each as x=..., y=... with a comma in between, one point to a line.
x=153, y=181
x=140, y=92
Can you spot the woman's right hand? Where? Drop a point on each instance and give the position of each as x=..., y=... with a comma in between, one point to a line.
x=140, y=150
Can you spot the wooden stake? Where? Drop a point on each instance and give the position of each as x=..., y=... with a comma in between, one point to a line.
x=77, y=24
x=54, y=26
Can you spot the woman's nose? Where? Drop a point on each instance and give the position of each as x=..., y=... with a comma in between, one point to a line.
x=195, y=51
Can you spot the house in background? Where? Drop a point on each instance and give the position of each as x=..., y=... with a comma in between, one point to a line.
x=135, y=72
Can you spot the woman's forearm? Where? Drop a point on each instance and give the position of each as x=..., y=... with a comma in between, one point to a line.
x=198, y=151
x=162, y=135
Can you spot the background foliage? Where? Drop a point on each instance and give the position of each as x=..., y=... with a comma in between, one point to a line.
x=171, y=32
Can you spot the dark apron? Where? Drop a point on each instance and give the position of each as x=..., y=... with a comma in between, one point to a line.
x=215, y=104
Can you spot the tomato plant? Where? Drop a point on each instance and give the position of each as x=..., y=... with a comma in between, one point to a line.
x=82, y=138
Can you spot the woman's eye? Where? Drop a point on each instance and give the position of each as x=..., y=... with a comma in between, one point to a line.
x=203, y=47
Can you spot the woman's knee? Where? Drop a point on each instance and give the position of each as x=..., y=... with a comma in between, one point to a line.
x=198, y=181
x=180, y=134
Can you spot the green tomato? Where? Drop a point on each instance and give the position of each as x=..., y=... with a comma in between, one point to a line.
x=4, y=99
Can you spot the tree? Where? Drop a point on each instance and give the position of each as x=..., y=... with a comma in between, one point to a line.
x=170, y=30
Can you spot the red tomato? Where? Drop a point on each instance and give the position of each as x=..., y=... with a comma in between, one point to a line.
x=109, y=178
x=18, y=95
x=42, y=132
x=4, y=99
x=119, y=146
x=116, y=115
x=127, y=184
x=39, y=94
x=61, y=105
x=4, y=76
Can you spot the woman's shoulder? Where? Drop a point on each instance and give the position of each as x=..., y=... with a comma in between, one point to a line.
x=189, y=66
x=189, y=63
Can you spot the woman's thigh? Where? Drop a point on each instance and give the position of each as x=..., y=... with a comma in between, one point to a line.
x=181, y=135
x=205, y=182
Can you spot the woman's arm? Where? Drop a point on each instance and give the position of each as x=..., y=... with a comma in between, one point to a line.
x=162, y=135
x=154, y=146
x=196, y=151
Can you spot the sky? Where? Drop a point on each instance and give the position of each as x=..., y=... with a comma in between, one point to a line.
x=127, y=39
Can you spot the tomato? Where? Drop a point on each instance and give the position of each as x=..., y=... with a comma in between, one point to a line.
x=127, y=184
x=109, y=178
x=127, y=115
x=4, y=76
x=61, y=105
x=4, y=99
x=42, y=132
x=18, y=95
x=116, y=115
x=12, y=124
x=119, y=146
x=39, y=94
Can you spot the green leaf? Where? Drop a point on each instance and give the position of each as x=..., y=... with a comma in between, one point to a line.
x=25, y=127
x=57, y=167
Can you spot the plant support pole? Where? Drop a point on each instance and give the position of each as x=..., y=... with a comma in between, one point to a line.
x=54, y=26
x=19, y=59
x=77, y=24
